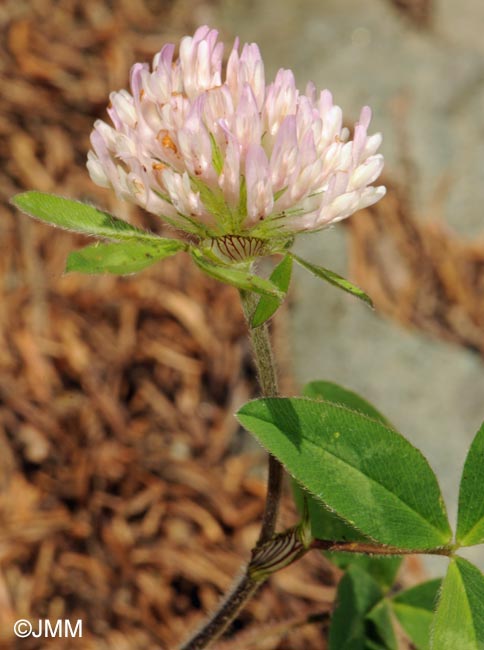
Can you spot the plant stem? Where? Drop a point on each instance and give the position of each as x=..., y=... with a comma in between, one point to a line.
x=376, y=549
x=247, y=585
x=231, y=605
x=266, y=373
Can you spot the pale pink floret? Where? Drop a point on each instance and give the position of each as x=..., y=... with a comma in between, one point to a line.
x=260, y=198
x=219, y=156
x=229, y=179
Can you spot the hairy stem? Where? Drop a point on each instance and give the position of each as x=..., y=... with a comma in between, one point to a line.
x=247, y=585
x=266, y=373
x=231, y=605
x=376, y=549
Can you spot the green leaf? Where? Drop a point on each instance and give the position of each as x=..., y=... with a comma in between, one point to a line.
x=381, y=619
x=324, y=523
x=235, y=276
x=357, y=594
x=414, y=609
x=383, y=569
x=122, y=259
x=267, y=305
x=78, y=217
x=334, y=279
x=470, y=522
x=422, y=596
x=369, y=474
x=327, y=525
x=459, y=619
x=330, y=392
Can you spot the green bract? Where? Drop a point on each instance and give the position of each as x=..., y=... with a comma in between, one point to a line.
x=267, y=305
x=78, y=217
x=334, y=279
x=123, y=258
x=228, y=262
x=238, y=277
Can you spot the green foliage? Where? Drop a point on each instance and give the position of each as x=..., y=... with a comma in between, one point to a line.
x=380, y=618
x=459, y=619
x=357, y=595
x=78, y=217
x=364, y=615
x=381, y=568
x=237, y=277
x=470, y=524
x=331, y=392
x=334, y=279
x=373, y=645
x=267, y=305
x=364, y=471
x=414, y=609
x=123, y=258
x=326, y=524
x=358, y=479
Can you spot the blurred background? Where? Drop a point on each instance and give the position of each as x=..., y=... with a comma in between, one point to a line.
x=128, y=498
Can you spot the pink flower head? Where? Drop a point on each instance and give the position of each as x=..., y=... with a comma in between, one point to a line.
x=224, y=156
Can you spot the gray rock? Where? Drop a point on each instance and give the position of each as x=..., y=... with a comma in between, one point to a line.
x=427, y=88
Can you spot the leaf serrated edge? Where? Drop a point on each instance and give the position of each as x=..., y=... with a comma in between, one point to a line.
x=319, y=497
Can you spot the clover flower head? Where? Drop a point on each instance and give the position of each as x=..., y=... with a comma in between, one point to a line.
x=224, y=157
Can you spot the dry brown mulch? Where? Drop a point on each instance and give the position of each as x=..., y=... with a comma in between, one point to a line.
x=418, y=272
x=124, y=502
x=129, y=498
